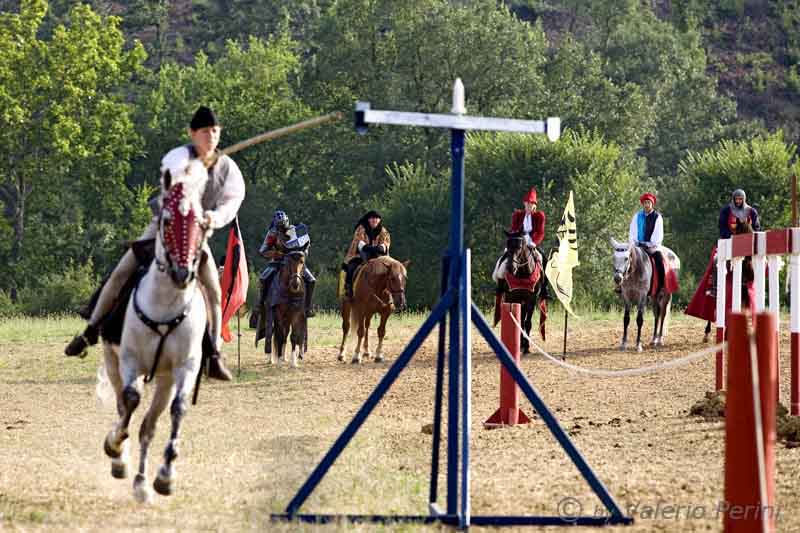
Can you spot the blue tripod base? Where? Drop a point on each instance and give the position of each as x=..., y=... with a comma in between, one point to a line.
x=455, y=302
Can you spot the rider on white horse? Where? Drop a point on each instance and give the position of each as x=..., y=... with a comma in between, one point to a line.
x=221, y=199
x=647, y=232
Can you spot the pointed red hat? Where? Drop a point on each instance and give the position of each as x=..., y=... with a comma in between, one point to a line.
x=531, y=196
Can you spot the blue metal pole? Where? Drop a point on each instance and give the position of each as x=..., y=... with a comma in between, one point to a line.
x=456, y=257
x=466, y=385
x=388, y=379
x=552, y=423
x=437, y=400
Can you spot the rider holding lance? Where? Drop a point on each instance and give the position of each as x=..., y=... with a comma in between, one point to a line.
x=221, y=199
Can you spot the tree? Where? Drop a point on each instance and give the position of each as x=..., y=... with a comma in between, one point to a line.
x=65, y=128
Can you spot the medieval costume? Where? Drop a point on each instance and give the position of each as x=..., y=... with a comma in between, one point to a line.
x=647, y=231
x=735, y=213
x=370, y=240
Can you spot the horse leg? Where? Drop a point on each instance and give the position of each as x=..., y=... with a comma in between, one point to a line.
x=527, y=323
x=664, y=312
x=357, y=322
x=367, y=322
x=626, y=320
x=381, y=334
x=298, y=336
x=184, y=381
x=119, y=464
x=639, y=322
x=345, y=329
x=130, y=398
x=708, y=331
x=161, y=398
x=656, y=319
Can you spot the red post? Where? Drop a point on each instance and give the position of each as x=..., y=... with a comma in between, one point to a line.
x=718, y=382
x=795, y=382
x=743, y=507
x=509, y=413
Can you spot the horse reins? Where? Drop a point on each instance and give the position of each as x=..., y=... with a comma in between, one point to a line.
x=171, y=324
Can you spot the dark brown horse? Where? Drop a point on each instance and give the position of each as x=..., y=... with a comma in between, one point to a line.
x=378, y=288
x=290, y=313
x=522, y=264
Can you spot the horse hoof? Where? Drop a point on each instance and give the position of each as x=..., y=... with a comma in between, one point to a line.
x=341, y=357
x=622, y=347
x=639, y=348
x=356, y=361
x=119, y=470
x=140, y=490
x=163, y=486
x=378, y=357
x=110, y=451
x=705, y=339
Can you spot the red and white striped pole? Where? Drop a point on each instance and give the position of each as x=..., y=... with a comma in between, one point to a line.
x=794, y=326
x=750, y=456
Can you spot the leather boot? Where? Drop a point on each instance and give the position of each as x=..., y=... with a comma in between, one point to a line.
x=78, y=345
x=309, y=298
x=217, y=369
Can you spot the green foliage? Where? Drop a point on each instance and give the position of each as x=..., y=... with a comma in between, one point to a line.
x=63, y=291
x=758, y=64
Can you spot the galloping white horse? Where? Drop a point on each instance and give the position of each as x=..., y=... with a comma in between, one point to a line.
x=163, y=331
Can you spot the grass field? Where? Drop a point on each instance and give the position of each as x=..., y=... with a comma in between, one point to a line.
x=248, y=445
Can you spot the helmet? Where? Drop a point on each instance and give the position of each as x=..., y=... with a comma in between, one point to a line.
x=280, y=219
x=739, y=192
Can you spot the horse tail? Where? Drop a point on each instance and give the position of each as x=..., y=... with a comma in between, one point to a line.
x=103, y=390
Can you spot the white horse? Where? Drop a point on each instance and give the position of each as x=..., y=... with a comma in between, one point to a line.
x=163, y=330
x=633, y=274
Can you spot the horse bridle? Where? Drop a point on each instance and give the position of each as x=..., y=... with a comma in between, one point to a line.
x=204, y=229
x=627, y=272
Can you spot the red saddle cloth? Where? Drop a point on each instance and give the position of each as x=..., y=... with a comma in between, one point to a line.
x=515, y=283
x=670, y=278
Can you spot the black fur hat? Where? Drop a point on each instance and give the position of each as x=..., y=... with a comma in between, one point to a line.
x=203, y=118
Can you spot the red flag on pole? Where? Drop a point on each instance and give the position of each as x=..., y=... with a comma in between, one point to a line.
x=234, y=278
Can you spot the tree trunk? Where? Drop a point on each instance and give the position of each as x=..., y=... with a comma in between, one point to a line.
x=19, y=230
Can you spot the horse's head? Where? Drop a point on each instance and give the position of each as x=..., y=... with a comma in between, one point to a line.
x=182, y=231
x=522, y=260
x=293, y=267
x=622, y=260
x=398, y=274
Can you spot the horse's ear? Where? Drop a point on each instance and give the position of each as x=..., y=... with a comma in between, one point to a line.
x=614, y=243
x=406, y=263
x=166, y=180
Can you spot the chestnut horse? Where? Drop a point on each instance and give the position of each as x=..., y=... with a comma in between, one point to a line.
x=290, y=313
x=379, y=287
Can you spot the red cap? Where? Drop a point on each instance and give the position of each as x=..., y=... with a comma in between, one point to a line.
x=531, y=196
x=647, y=196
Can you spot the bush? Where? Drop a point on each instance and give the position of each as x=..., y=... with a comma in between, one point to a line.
x=60, y=292
x=7, y=306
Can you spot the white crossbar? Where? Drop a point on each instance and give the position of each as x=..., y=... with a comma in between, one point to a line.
x=552, y=126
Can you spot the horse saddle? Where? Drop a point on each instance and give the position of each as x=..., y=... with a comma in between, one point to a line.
x=670, y=278
x=527, y=283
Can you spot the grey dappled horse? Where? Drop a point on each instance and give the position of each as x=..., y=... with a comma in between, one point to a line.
x=633, y=273
x=166, y=315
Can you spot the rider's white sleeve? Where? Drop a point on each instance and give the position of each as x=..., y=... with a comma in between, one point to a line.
x=633, y=232
x=232, y=197
x=361, y=244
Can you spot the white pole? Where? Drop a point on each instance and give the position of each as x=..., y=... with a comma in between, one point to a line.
x=723, y=247
x=774, y=289
x=736, y=285
x=760, y=271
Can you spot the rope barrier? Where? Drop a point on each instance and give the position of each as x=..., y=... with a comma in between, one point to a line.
x=628, y=371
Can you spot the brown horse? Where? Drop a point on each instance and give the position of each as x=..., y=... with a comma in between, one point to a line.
x=379, y=287
x=290, y=313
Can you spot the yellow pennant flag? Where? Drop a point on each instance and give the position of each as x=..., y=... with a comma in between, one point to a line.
x=562, y=261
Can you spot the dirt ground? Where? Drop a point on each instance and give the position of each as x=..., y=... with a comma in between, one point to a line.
x=249, y=445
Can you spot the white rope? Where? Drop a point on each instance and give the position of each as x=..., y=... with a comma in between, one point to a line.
x=628, y=371
x=759, y=424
